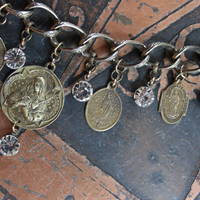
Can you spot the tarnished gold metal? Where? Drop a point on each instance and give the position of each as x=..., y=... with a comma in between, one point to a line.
x=2, y=53
x=32, y=96
x=15, y=129
x=2, y=14
x=103, y=109
x=173, y=103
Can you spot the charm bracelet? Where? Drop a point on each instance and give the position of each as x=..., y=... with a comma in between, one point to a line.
x=32, y=96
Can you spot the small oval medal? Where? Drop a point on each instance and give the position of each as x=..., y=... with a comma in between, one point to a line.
x=33, y=97
x=2, y=53
x=103, y=110
x=173, y=103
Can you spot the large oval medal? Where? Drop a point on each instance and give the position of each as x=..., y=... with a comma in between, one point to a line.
x=174, y=103
x=33, y=97
x=2, y=53
x=103, y=109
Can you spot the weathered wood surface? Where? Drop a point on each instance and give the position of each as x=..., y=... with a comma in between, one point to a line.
x=151, y=159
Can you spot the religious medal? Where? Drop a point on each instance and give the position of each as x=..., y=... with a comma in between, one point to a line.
x=32, y=97
x=104, y=108
x=173, y=103
x=174, y=100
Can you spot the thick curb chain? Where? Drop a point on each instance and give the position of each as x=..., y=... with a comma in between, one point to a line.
x=86, y=41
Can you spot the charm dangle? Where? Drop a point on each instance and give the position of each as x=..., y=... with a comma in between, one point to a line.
x=32, y=96
x=9, y=144
x=144, y=96
x=104, y=108
x=15, y=58
x=174, y=101
x=82, y=90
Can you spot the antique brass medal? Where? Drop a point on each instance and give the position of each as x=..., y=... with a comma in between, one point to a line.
x=103, y=109
x=2, y=53
x=33, y=97
x=174, y=103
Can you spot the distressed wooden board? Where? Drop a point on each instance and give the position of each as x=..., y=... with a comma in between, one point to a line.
x=47, y=168
x=151, y=159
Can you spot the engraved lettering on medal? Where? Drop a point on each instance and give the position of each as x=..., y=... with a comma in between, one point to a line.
x=173, y=104
x=103, y=110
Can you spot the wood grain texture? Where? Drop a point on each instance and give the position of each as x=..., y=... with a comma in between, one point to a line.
x=52, y=170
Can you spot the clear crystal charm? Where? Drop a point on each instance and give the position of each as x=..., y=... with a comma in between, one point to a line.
x=9, y=145
x=144, y=96
x=15, y=58
x=82, y=91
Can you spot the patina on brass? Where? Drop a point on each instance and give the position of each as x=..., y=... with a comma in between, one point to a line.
x=2, y=53
x=174, y=103
x=103, y=110
x=33, y=97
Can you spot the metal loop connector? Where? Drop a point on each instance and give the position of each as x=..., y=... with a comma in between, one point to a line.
x=117, y=69
x=155, y=74
x=170, y=48
x=55, y=57
x=15, y=129
x=57, y=50
x=117, y=77
x=78, y=30
x=4, y=21
x=26, y=36
x=92, y=37
x=195, y=49
x=90, y=66
x=117, y=74
x=35, y=5
x=17, y=13
x=51, y=66
x=136, y=45
x=182, y=75
x=3, y=14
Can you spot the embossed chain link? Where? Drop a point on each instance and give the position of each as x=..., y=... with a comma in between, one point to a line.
x=86, y=41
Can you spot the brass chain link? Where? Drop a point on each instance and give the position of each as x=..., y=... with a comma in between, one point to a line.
x=85, y=40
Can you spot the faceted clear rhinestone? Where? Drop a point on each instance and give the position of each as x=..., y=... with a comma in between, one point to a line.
x=82, y=91
x=15, y=58
x=144, y=96
x=9, y=145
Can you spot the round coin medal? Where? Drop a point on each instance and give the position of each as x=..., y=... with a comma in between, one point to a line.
x=9, y=145
x=173, y=103
x=32, y=96
x=2, y=53
x=144, y=96
x=103, y=110
x=82, y=91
